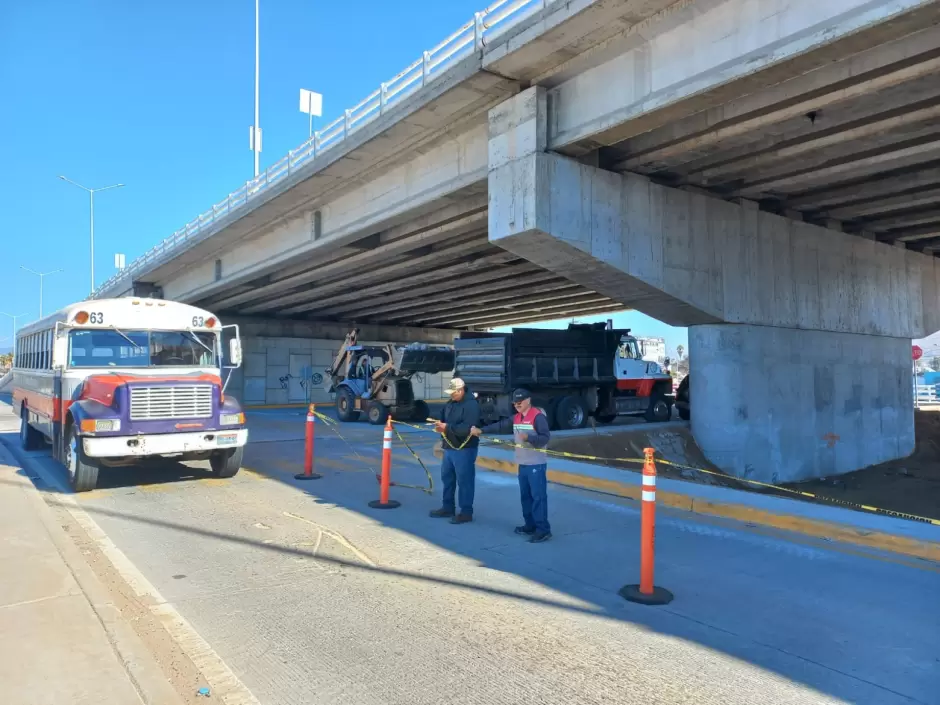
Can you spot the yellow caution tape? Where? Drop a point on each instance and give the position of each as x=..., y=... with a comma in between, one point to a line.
x=640, y=461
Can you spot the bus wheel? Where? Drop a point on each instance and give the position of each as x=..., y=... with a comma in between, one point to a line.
x=83, y=473
x=226, y=463
x=30, y=438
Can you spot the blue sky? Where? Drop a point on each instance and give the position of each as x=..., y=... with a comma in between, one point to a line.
x=159, y=96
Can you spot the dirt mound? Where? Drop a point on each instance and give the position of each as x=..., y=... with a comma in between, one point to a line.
x=910, y=485
x=672, y=443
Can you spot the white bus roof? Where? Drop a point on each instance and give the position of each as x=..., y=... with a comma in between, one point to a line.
x=131, y=312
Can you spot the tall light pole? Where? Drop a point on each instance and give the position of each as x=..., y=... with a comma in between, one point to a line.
x=10, y=315
x=91, y=196
x=255, y=141
x=41, y=275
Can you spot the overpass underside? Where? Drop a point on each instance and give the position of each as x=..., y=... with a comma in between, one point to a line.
x=437, y=271
x=765, y=172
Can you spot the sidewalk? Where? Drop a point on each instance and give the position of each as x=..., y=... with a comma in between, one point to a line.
x=61, y=640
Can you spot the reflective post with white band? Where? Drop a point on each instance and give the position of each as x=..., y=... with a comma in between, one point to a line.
x=646, y=593
x=308, y=473
x=385, y=481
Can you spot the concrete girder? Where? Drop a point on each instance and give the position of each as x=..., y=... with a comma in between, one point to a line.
x=667, y=84
x=575, y=295
x=402, y=244
x=836, y=142
x=557, y=315
x=454, y=270
x=499, y=296
x=925, y=233
x=886, y=206
x=846, y=195
x=523, y=272
x=847, y=169
x=536, y=312
x=471, y=246
x=878, y=69
x=902, y=221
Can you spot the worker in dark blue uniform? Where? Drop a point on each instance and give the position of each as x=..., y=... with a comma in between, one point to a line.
x=531, y=432
x=458, y=467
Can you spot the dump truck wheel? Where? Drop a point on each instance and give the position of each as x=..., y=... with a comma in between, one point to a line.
x=571, y=413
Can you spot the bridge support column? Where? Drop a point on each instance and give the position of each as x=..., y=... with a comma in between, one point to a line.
x=799, y=336
x=784, y=404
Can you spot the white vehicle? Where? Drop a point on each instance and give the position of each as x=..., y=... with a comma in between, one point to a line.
x=113, y=381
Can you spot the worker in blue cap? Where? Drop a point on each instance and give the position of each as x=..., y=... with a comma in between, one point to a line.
x=531, y=432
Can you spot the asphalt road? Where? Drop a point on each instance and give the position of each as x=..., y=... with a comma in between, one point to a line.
x=309, y=596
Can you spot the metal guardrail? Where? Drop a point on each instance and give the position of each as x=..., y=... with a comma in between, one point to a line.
x=926, y=394
x=434, y=63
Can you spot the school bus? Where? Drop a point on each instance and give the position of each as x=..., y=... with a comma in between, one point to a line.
x=111, y=382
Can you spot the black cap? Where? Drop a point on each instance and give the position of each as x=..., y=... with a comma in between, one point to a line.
x=520, y=395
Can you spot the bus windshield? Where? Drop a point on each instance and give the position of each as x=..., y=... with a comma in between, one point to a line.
x=137, y=348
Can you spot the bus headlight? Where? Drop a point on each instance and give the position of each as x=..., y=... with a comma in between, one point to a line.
x=231, y=419
x=100, y=425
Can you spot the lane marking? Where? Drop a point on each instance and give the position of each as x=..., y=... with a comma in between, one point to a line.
x=225, y=685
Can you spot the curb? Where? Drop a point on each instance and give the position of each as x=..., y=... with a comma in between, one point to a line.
x=816, y=528
x=144, y=672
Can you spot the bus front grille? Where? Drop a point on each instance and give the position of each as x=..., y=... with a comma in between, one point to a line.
x=183, y=402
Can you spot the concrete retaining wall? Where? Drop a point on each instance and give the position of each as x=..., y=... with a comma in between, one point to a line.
x=272, y=372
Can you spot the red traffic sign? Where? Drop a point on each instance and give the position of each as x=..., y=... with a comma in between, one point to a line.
x=917, y=352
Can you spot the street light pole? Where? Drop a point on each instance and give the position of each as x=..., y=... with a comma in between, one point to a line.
x=10, y=315
x=91, y=196
x=256, y=128
x=41, y=275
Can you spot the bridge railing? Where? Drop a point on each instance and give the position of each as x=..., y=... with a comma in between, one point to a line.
x=434, y=63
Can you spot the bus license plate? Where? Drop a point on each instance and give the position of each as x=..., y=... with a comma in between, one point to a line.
x=229, y=439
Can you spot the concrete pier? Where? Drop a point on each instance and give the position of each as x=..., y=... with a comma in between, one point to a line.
x=799, y=335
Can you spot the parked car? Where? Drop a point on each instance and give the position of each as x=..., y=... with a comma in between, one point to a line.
x=682, y=399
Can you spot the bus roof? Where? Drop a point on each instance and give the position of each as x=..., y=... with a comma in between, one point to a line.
x=132, y=312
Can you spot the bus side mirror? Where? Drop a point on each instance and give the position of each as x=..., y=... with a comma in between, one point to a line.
x=235, y=352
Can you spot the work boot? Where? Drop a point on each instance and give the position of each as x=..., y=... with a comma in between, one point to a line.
x=442, y=513
x=540, y=537
x=462, y=519
x=527, y=530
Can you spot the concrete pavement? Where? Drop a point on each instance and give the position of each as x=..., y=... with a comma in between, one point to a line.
x=62, y=642
x=304, y=595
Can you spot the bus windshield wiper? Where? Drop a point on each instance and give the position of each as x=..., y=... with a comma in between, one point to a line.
x=123, y=335
x=196, y=338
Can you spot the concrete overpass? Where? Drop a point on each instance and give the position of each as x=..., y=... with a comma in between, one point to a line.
x=763, y=171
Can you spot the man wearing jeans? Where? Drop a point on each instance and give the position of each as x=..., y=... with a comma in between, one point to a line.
x=530, y=429
x=458, y=468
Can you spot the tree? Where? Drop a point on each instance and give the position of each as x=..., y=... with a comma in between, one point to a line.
x=6, y=360
x=934, y=364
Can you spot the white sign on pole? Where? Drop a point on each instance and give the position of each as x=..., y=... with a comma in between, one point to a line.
x=254, y=137
x=311, y=103
x=119, y=261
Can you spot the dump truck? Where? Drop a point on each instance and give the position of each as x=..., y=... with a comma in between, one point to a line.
x=588, y=370
x=376, y=379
